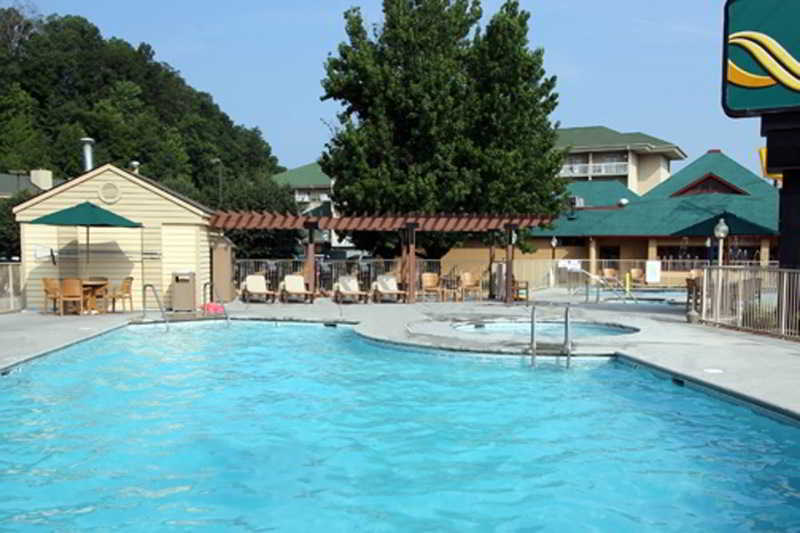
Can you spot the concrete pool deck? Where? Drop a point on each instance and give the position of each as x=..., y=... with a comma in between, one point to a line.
x=761, y=369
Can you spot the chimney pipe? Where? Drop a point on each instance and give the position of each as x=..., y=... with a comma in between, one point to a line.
x=88, y=155
x=135, y=166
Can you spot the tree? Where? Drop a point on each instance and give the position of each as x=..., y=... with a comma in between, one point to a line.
x=9, y=228
x=22, y=144
x=260, y=194
x=425, y=109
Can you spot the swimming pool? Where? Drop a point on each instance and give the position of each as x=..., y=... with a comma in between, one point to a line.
x=305, y=428
x=545, y=330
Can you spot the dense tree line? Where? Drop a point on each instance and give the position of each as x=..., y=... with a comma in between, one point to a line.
x=62, y=80
x=440, y=116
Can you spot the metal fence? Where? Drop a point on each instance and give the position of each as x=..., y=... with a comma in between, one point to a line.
x=760, y=299
x=10, y=287
x=366, y=271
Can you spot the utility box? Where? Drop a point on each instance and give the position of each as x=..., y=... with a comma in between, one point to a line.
x=184, y=291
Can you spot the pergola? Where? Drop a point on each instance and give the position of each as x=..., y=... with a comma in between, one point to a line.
x=406, y=225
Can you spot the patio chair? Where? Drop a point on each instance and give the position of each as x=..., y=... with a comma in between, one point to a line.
x=610, y=274
x=102, y=292
x=637, y=276
x=72, y=292
x=467, y=283
x=386, y=286
x=295, y=285
x=431, y=285
x=52, y=291
x=255, y=285
x=521, y=290
x=346, y=287
x=123, y=292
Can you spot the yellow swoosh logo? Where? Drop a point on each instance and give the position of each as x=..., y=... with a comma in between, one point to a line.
x=781, y=66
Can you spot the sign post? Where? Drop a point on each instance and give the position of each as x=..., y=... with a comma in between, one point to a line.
x=761, y=77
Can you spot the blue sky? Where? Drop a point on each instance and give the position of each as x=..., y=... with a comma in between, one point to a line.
x=653, y=67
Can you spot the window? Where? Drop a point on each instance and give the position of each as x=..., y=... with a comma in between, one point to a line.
x=610, y=157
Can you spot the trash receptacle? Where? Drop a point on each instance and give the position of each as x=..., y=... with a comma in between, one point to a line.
x=183, y=291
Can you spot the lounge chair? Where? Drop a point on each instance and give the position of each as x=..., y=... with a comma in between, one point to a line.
x=637, y=276
x=123, y=292
x=295, y=285
x=346, y=287
x=386, y=287
x=430, y=285
x=255, y=285
x=469, y=284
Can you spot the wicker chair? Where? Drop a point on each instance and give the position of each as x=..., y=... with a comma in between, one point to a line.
x=123, y=292
x=72, y=292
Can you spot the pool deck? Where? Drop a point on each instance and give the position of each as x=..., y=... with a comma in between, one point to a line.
x=761, y=369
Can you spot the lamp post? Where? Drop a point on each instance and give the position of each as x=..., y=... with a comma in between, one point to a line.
x=218, y=163
x=721, y=231
x=553, y=245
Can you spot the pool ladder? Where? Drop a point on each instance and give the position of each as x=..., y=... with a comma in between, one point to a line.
x=567, y=336
x=158, y=301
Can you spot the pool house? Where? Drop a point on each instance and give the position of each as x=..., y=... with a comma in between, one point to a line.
x=175, y=236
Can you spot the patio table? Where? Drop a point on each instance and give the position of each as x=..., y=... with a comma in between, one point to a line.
x=91, y=289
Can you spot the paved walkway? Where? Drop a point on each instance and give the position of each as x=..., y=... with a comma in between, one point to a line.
x=762, y=369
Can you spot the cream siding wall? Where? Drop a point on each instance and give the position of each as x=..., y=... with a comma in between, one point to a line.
x=180, y=255
x=633, y=172
x=203, y=261
x=116, y=252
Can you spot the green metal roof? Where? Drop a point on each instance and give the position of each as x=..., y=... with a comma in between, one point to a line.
x=600, y=138
x=306, y=177
x=719, y=165
x=601, y=193
x=693, y=215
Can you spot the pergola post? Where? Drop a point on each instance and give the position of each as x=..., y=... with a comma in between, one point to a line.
x=411, y=257
x=510, y=229
x=309, y=268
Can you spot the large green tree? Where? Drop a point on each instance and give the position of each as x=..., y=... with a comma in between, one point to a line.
x=71, y=82
x=436, y=121
x=9, y=229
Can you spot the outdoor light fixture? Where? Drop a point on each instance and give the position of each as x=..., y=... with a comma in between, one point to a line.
x=553, y=245
x=721, y=231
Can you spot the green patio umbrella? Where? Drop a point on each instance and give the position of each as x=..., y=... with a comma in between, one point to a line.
x=89, y=215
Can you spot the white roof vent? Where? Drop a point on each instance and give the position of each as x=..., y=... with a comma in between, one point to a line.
x=623, y=202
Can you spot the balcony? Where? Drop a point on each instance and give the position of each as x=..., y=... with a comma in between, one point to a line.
x=595, y=169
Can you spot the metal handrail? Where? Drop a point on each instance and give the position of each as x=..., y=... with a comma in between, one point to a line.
x=158, y=301
x=216, y=295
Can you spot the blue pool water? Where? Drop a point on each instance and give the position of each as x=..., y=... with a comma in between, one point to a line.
x=305, y=428
x=545, y=330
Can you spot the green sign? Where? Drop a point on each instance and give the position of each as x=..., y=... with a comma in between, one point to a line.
x=761, y=58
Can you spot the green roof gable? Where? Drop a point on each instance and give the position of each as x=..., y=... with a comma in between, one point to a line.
x=693, y=215
x=599, y=138
x=601, y=193
x=719, y=165
x=306, y=177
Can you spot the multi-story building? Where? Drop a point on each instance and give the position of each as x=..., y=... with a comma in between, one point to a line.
x=638, y=161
